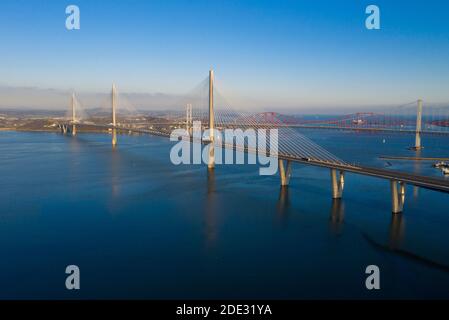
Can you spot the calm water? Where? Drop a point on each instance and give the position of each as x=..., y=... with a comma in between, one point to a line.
x=139, y=227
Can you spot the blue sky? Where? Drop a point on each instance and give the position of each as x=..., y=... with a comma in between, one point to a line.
x=286, y=54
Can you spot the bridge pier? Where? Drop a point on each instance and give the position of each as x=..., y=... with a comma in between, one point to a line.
x=337, y=183
x=285, y=172
x=114, y=137
x=64, y=128
x=397, y=196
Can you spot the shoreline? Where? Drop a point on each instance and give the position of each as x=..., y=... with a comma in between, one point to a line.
x=44, y=130
x=415, y=158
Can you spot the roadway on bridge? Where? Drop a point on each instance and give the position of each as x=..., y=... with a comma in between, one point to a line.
x=408, y=178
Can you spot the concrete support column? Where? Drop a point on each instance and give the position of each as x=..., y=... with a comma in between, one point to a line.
x=337, y=183
x=397, y=196
x=211, y=121
x=114, y=137
x=285, y=173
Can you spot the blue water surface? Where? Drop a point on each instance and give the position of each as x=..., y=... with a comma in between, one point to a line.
x=140, y=227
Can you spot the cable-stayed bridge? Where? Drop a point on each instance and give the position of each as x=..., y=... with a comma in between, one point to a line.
x=208, y=108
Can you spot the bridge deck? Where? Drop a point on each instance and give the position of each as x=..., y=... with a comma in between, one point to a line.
x=409, y=178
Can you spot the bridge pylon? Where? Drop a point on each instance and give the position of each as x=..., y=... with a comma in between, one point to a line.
x=189, y=118
x=211, y=163
x=418, y=145
x=114, y=120
x=73, y=115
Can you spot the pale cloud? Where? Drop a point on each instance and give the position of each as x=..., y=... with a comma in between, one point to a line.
x=58, y=99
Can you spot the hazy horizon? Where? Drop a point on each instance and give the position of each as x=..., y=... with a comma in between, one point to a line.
x=267, y=55
x=50, y=99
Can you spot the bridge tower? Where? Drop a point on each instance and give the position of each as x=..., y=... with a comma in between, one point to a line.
x=73, y=115
x=418, y=126
x=114, y=122
x=211, y=163
x=189, y=118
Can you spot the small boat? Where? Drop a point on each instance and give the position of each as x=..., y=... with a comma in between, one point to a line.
x=445, y=171
x=441, y=164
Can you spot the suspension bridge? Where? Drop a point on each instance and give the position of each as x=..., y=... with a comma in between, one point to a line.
x=214, y=112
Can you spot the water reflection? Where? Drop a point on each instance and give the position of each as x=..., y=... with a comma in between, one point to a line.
x=397, y=227
x=210, y=209
x=415, y=192
x=417, y=168
x=115, y=169
x=210, y=181
x=283, y=204
x=74, y=158
x=337, y=216
x=74, y=145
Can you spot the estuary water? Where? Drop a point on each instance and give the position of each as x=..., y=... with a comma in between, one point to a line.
x=138, y=226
